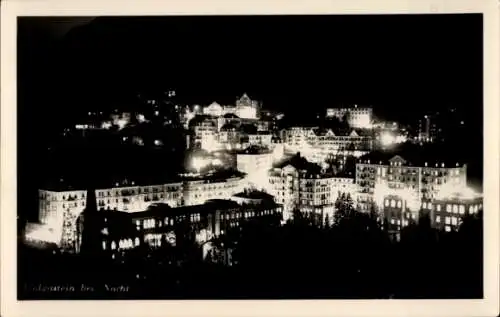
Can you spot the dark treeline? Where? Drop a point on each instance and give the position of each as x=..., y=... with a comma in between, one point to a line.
x=352, y=257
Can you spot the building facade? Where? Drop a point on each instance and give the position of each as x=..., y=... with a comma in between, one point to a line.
x=307, y=190
x=398, y=177
x=318, y=145
x=357, y=117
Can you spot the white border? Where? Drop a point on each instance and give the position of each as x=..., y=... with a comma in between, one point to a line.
x=9, y=305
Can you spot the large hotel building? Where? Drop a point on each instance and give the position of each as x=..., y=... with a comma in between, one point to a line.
x=317, y=144
x=60, y=208
x=357, y=117
x=402, y=190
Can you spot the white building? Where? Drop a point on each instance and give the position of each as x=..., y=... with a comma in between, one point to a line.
x=139, y=198
x=317, y=145
x=244, y=108
x=310, y=190
x=198, y=191
x=214, y=109
x=255, y=164
x=399, y=177
x=357, y=117
x=59, y=210
x=261, y=139
x=205, y=135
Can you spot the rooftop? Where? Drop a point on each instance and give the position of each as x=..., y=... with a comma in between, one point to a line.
x=254, y=195
x=415, y=155
x=217, y=175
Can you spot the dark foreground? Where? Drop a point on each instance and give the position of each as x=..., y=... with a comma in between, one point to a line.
x=299, y=260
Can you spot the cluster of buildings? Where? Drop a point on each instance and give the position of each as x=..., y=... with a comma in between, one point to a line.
x=217, y=127
x=356, y=117
x=399, y=189
x=317, y=144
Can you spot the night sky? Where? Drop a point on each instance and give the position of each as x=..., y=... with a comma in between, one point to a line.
x=398, y=64
x=402, y=65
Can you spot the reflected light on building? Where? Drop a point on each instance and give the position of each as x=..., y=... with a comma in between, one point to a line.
x=460, y=191
x=198, y=163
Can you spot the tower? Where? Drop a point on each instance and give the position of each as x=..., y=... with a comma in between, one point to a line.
x=89, y=226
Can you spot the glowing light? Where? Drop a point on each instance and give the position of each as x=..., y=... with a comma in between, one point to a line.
x=401, y=139
x=121, y=123
x=460, y=191
x=216, y=162
x=387, y=139
x=141, y=118
x=158, y=142
x=199, y=163
x=106, y=125
x=42, y=233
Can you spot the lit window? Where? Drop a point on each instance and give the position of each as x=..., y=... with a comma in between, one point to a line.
x=399, y=203
x=448, y=208
x=447, y=220
x=113, y=245
x=454, y=221
x=393, y=203
x=471, y=209
x=438, y=219
x=387, y=202
x=104, y=245
x=137, y=242
x=455, y=209
x=476, y=208
x=438, y=207
x=448, y=228
x=392, y=221
x=461, y=209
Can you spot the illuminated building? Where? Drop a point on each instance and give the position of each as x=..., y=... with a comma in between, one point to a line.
x=260, y=138
x=129, y=198
x=255, y=163
x=156, y=226
x=200, y=188
x=427, y=129
x=229, y=136
x=205, y=134
x=317, y=144
x=252, y=197
x=450, y=205
x=57, y=209
x=378, y=177
x=357, y=117
x=214, y=109
x=278, y=149
x=244, y=108
x=247, y=108
x=302, y=185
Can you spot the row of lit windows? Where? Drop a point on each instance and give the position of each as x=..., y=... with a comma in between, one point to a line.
x=122, y=244
x=449, y=220
x=152, y=223
x=393, y=203
x=73, y=205
x=452, y=208
x=145, y=190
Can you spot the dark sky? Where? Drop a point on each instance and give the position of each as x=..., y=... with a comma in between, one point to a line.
x=396, y=63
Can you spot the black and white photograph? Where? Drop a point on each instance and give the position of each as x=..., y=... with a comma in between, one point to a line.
x=250, y=157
